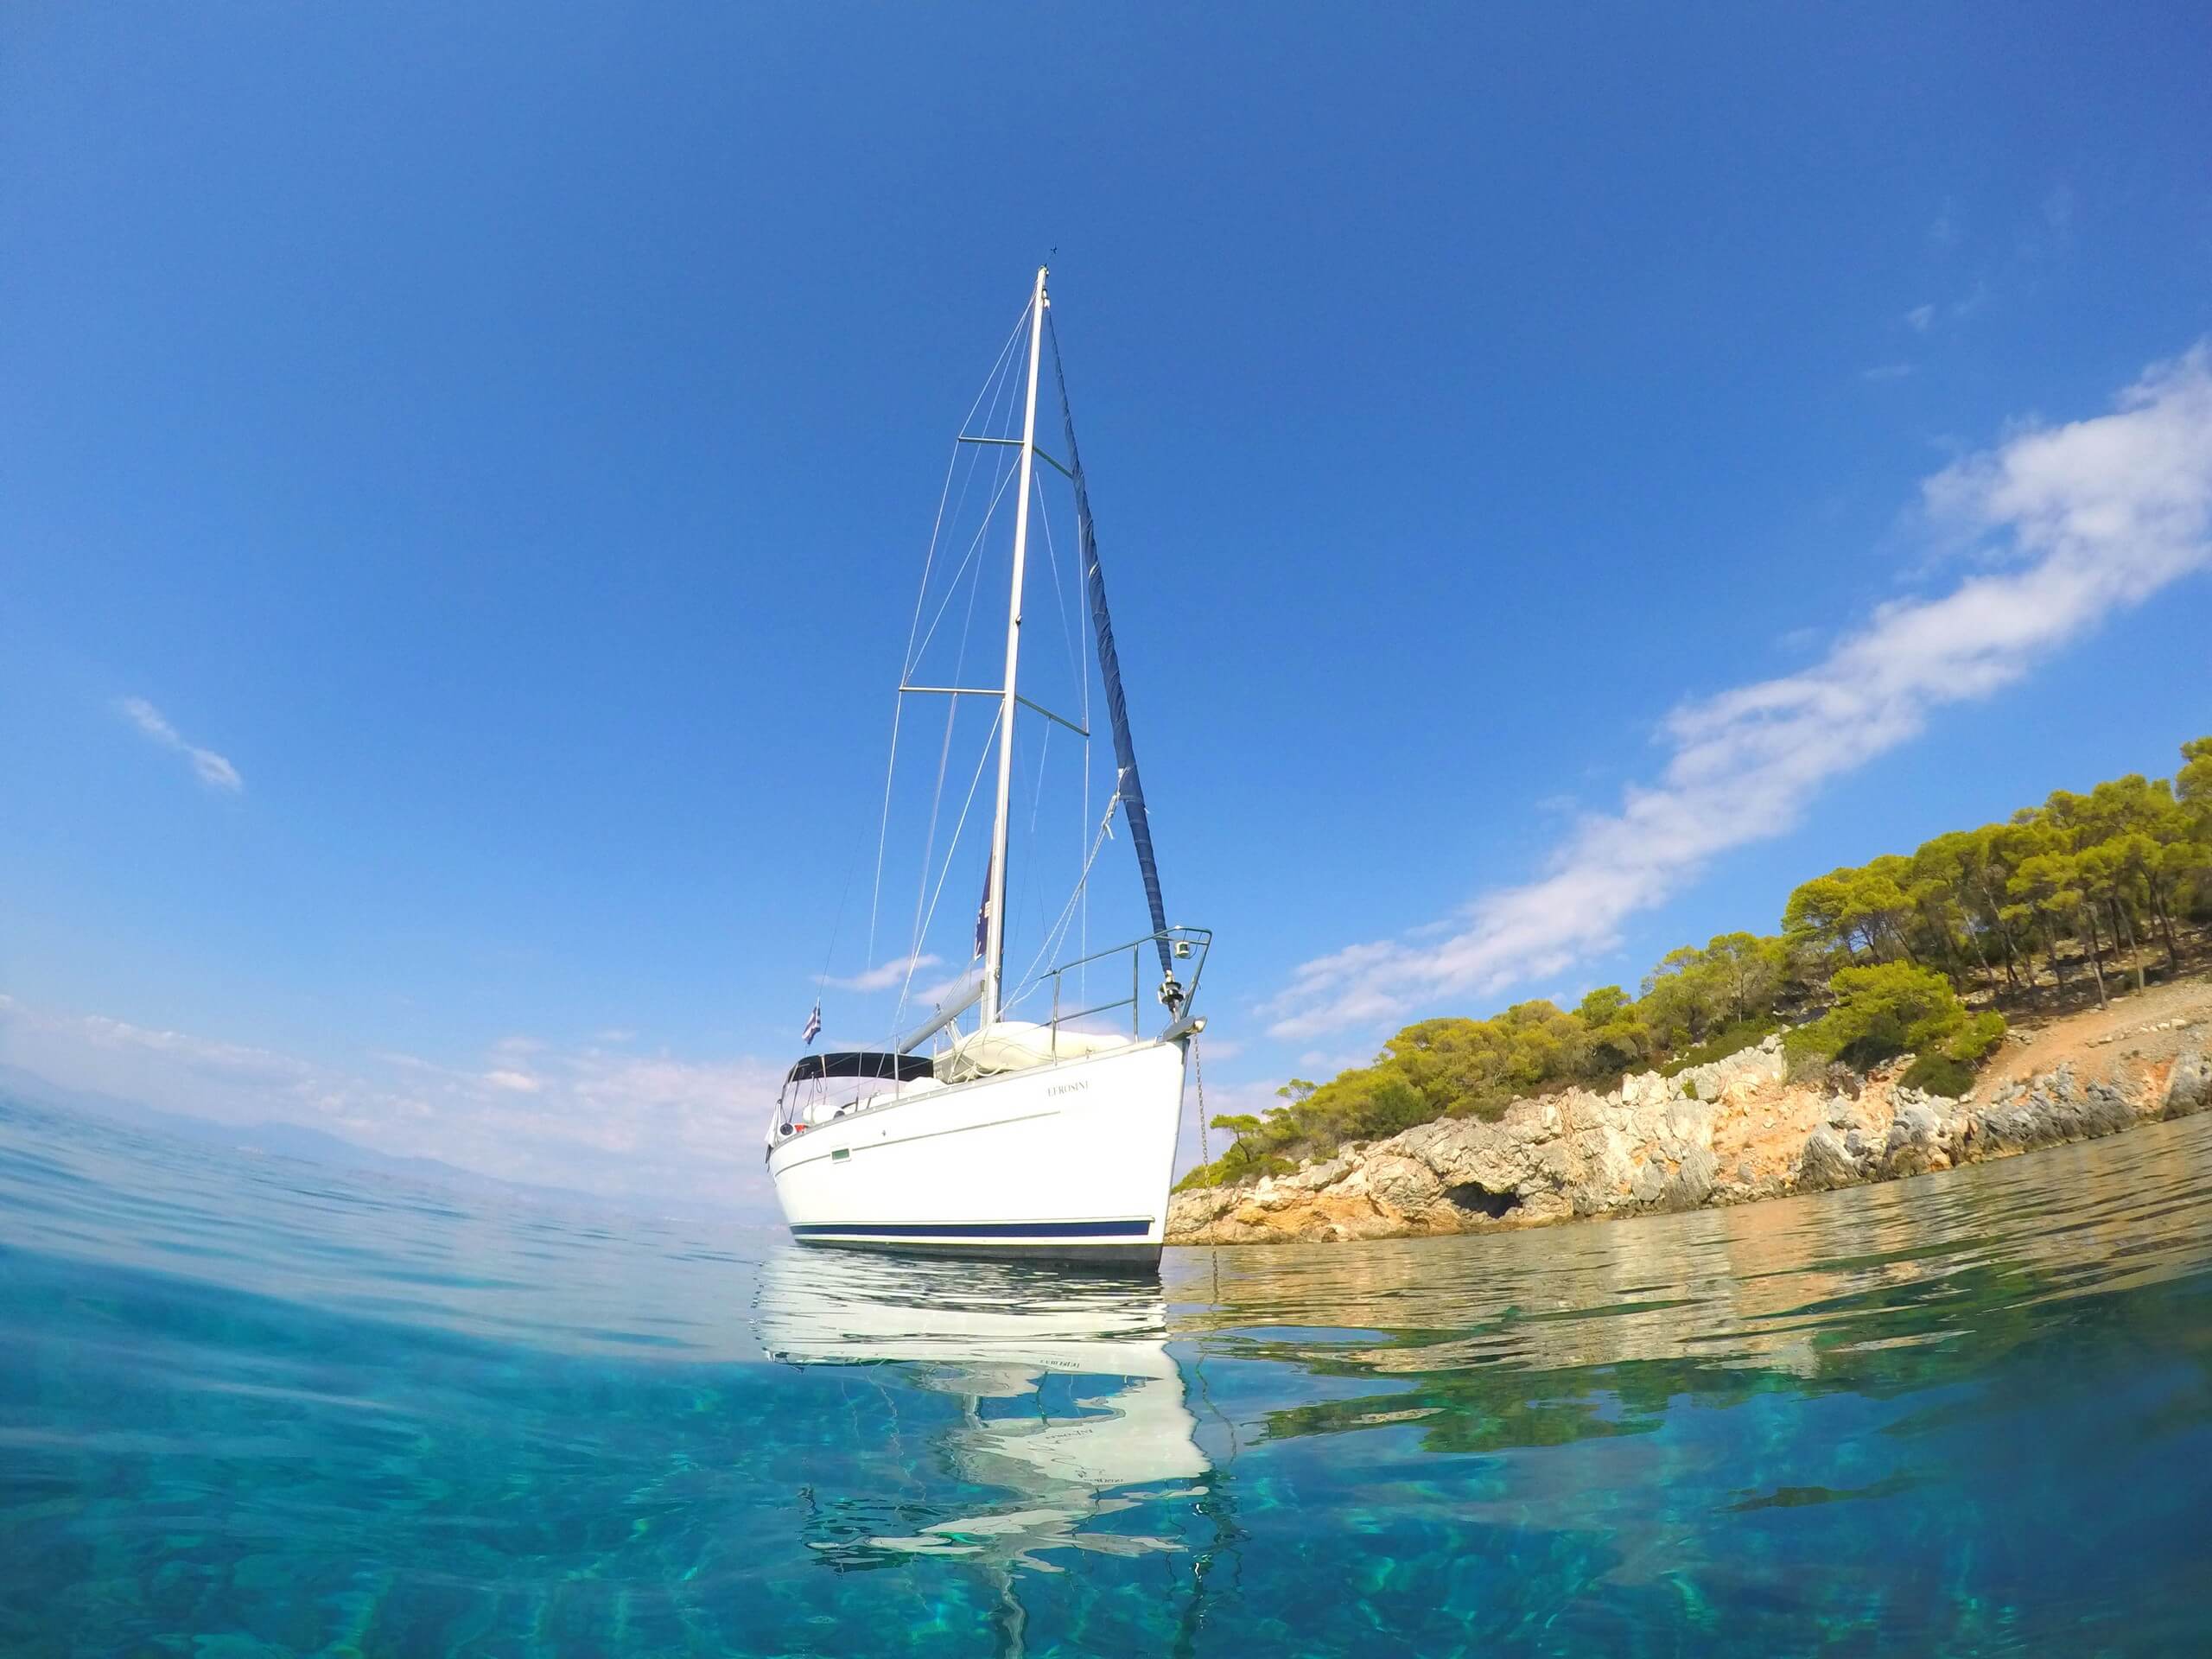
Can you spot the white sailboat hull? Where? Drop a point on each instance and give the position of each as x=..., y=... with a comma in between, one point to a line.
x=1071, y=1160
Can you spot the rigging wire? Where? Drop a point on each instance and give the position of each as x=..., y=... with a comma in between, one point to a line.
x=936, y=804
x=1125, y=764
x=1052, y=560
x=998, y=398
x=996, y=376
x=1058, y=930
x=828, y=954
x=961, y=823
x=972, y=573
x=1008, y=474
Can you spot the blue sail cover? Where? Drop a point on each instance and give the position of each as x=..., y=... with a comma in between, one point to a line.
x=1130, y=788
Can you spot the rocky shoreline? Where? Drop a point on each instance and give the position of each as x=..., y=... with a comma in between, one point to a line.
x=1732, y=1131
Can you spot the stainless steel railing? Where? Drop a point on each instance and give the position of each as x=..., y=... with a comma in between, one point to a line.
x=1185, y=945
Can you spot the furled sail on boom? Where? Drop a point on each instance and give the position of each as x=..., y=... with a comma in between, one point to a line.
x=1128, y=784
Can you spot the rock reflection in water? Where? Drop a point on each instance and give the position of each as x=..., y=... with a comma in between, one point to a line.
x=1817, y=1294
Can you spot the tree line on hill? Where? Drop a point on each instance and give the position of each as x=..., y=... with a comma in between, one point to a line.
x=1909, y=954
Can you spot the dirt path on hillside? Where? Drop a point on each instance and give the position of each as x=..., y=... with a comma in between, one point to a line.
x=2139, y=1034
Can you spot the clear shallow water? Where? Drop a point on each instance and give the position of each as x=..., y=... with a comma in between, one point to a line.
x=252, y=1406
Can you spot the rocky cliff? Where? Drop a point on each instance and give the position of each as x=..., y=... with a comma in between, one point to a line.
x=1728, y=1132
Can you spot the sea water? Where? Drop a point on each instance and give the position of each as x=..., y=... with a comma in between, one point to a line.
x=252, y=1405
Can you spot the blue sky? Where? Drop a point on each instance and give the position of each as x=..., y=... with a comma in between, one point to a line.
x=501, y=442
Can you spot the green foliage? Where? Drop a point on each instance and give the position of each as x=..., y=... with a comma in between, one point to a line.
x=1729, y=1039
x=1615, y=1034
x=1976, y=1040
x=1893, y=1008
x=1246, y=1159
x=2070, y=893
x=1693, y=994
x=1847, y=910
x=1938, y=1074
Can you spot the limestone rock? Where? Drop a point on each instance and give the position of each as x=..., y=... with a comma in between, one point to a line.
x=1405, y=1184
x=1827, y=1163
x=1919, y=1139
x=2189, y=1086
x=1728, y=1133
x=2049, y=1109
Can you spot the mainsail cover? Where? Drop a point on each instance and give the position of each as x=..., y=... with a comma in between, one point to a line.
x=1129, y=785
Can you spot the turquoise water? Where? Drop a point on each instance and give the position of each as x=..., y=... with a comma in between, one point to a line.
x=250, y=1406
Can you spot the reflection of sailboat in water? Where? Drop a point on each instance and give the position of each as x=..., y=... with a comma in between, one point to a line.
x=1068, y=1400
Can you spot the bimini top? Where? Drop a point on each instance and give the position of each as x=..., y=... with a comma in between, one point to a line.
x=862, y=1063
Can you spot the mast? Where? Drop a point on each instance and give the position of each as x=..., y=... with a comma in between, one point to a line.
x=995, y=934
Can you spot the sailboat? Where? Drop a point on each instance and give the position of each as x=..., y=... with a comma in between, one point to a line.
x=1048, y=1127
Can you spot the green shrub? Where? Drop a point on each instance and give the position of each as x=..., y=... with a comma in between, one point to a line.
x=1731, y=1039
x=1980, y=1034
x=1895, y=1008
x=1229, y=1170
x=1939, y=1074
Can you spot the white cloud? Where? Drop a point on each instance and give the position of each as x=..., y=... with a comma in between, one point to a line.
x=2076, y=522
x=212, y=769
x=230, y=1061
x=642, y=1126
x=1920, y=318
x=885, y=974
x=1886, y=371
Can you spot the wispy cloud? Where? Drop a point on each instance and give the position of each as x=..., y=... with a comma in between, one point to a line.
x=1886, y=371
x=646, y=1125
x=2075, y=522
x=1924, y=319
x=885, y=974
x=213, y=769
x=220, y=1062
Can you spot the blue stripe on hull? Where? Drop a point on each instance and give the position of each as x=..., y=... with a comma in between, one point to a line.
x=978, y=1230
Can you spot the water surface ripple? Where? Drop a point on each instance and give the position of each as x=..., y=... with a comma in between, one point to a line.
x=250, y=1406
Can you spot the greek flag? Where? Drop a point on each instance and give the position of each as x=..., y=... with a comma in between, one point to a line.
x=813, y=1024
